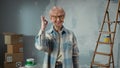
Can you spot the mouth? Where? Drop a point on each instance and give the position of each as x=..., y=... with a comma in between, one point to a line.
x=58, y=23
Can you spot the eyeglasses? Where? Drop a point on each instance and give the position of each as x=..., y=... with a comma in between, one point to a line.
x=60, y=17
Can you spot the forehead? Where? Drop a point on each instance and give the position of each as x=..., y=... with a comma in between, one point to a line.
x=57, y=11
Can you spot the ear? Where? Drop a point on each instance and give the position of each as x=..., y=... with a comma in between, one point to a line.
x=50, y=17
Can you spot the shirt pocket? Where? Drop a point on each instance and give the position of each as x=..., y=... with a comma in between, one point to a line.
x=67, y=46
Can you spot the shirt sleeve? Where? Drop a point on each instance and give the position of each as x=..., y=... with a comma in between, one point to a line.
x=75, y=56
x=41, y=41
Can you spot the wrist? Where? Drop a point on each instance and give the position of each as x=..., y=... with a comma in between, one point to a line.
x=42, y=29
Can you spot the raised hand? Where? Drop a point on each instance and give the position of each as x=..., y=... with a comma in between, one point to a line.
x=44, y=23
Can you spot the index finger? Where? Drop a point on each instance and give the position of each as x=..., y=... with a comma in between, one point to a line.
x=42, y=18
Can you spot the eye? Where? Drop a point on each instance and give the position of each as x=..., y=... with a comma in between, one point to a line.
x=60, y=17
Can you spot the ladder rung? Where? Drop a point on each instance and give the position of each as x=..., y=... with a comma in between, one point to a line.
x=101, y=65
x=106, y=32
x=104, y=42
x=112, y=21
x=101, y=53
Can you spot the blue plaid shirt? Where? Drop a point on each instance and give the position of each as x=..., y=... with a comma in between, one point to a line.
x=49, y=42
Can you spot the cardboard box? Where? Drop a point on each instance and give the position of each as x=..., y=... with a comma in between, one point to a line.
x=15, y=57
x=16, y=48
x=13, y=64
x=11, y=38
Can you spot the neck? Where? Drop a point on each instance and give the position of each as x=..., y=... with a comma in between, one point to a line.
x=58, y=29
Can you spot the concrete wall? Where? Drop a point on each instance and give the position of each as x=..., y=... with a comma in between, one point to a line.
x=22, y=17
x=84, y=17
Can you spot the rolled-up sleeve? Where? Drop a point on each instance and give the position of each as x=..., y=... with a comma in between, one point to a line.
x=41, y=41
x=75, y=56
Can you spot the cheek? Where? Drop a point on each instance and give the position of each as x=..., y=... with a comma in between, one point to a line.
x=52, y=20
x=62, y=20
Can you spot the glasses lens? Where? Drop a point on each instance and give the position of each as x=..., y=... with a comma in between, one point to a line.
x=60, y=17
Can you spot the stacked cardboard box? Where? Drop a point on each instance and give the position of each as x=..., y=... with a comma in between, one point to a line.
x=14, y=55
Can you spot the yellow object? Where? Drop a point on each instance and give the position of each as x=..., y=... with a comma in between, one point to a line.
x=107, y=39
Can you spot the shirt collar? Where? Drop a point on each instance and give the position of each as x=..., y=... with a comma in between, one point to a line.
x=63, y=30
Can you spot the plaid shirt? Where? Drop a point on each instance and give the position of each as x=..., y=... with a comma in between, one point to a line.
x=50, y=41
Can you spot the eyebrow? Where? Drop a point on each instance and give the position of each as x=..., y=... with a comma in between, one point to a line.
x=57, y=15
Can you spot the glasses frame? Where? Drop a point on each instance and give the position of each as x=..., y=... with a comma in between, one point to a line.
x=59, y=16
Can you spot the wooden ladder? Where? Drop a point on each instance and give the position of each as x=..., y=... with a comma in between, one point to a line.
x=109, y=31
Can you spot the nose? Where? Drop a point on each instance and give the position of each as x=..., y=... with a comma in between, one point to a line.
x=58, y=19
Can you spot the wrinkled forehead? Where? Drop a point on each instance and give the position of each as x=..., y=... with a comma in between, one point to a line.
x=57, y=11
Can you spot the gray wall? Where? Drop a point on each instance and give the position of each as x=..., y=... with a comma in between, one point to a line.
x=84, y=17
x=84, y=21
x=22, y=17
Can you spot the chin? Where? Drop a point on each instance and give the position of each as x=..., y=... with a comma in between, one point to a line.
x=59, y=26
